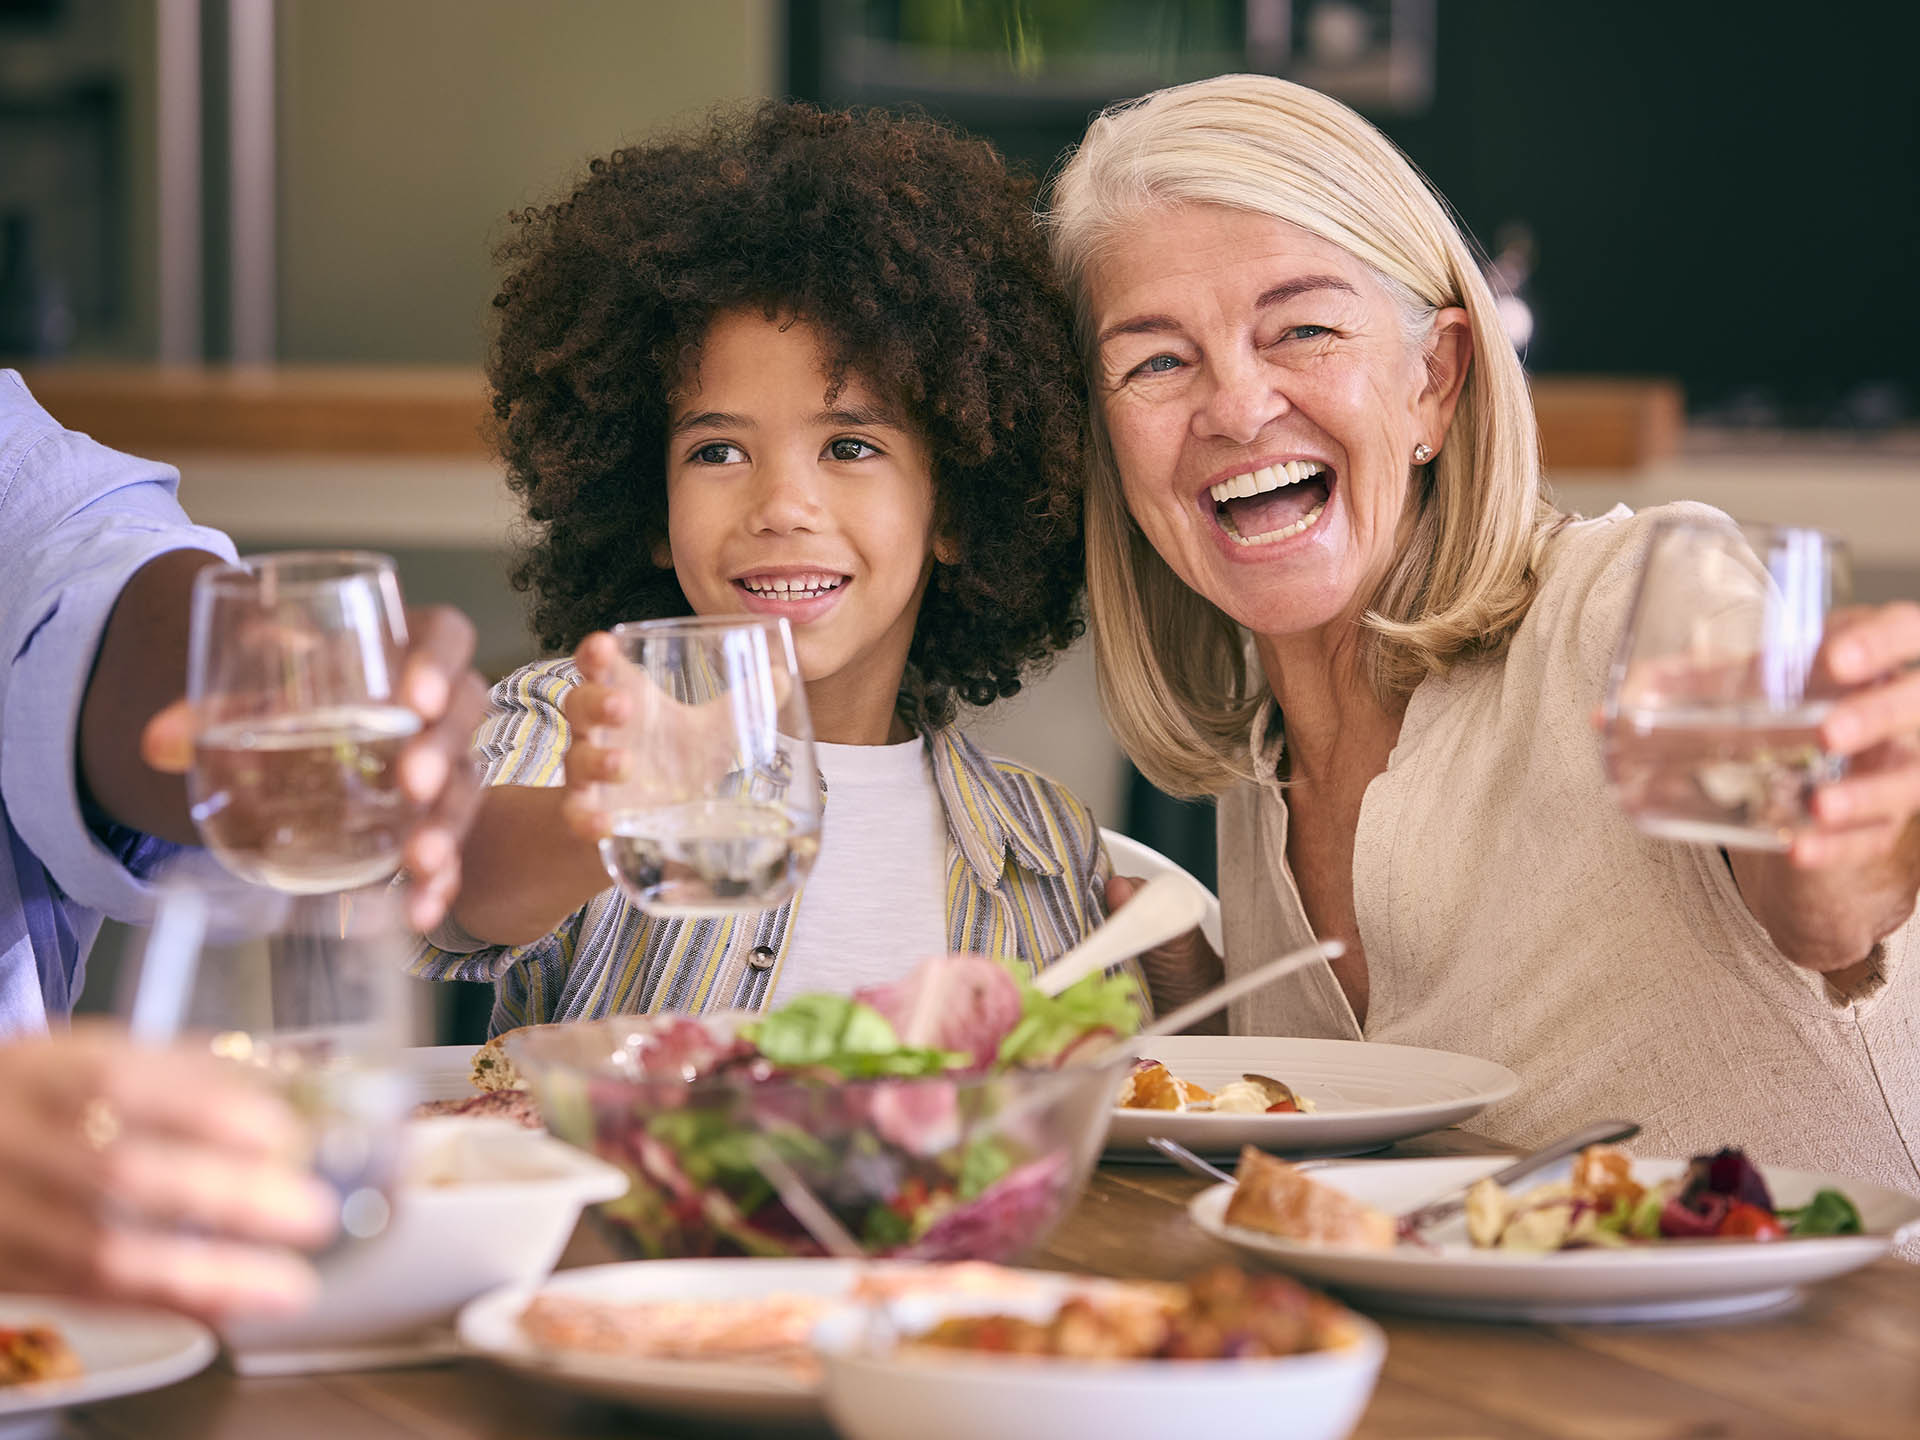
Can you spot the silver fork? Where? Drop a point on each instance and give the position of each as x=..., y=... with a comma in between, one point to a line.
x=1206, y=1169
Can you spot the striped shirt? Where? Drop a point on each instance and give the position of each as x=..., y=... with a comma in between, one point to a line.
x=1025, y=880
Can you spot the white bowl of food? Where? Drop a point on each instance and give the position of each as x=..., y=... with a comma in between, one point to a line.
x=482, y=1203
x=1228, y=1353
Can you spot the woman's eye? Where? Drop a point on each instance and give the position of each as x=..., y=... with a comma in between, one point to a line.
x=718, y=453
x=846, y=449
x=1157, y=365
x=1305, y=332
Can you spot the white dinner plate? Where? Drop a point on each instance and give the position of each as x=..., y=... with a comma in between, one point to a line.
x=738, y=1391
x=1365, y=1096
x=441, y=1072
x=1655, y=1281
x=124, y=1350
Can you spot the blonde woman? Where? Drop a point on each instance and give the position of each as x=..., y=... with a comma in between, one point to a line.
x=1328, y=588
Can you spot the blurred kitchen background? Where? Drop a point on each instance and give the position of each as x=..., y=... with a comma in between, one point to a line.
x=252, y=238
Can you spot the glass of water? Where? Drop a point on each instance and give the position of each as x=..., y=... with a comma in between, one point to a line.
x=1713, y=708
x=719, y=810
x=293, y=669
x=310, y=994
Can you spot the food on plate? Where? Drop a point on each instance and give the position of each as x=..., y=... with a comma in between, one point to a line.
x=1279, y=1199
x=769, y=1329
x=515, y=1105
x=493, y=1069
x=1151, y=1086
x=499, y=1090
x=1601, y=1204
x=35, y=1352
x=1223, y=1314
x=765, y=1329
x=936, y=1117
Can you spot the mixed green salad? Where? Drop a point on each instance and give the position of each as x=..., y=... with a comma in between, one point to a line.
x=1722, y=1195
x=949, y=1115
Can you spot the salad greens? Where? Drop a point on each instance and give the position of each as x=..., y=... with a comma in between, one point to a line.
x=1051, y=1025
x=843, y=1034
x=967, y=1000
x=1828, y=1213
x=940, y=1116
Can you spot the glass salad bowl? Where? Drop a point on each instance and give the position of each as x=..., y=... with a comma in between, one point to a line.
x=976, y=1163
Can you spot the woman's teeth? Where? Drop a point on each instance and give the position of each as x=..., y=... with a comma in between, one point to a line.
x=1270, y=477
x=1265, y=481
x=1304, y=523
x=792, y=587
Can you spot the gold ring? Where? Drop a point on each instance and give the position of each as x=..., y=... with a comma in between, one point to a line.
x=99, y=1123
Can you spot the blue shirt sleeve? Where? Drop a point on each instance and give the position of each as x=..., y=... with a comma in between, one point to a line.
x=77, y=522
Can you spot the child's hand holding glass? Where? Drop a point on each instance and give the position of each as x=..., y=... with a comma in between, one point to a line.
x=691, y=763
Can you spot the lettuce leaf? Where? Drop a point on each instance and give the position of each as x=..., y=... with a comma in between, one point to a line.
x=1050, y=1023
x=840, y=1033
x=1828, y=1213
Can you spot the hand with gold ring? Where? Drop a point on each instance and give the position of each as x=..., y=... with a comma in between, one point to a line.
x=151, y=1175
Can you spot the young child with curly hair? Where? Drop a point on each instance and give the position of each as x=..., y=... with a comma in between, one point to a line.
x=803, y=363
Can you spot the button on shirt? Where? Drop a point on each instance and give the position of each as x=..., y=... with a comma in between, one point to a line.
x=77, y=522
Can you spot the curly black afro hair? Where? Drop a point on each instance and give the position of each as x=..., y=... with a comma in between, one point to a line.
x=914, y=253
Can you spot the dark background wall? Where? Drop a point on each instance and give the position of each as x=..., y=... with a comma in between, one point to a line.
x=1727, y=193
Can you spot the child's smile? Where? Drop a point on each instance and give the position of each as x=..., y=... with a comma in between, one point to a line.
x=800, y=595
x=786, y=499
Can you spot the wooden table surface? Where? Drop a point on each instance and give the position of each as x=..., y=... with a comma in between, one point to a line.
x=1846, y=1363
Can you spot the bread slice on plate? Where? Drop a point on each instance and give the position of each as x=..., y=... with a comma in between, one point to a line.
x=492, y=1070
x=1275, y=1197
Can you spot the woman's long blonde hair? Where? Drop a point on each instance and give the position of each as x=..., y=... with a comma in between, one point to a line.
x=1174, y=672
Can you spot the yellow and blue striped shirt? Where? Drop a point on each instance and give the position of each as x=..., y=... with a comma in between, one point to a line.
x=1026, y=879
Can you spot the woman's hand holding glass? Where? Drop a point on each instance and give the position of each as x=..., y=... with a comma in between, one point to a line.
x=1750, y=709
x=1849, y=878
x=152, y=1174
x=1872, y=654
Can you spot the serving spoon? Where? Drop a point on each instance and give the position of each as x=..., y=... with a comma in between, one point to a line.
x=1165, y=907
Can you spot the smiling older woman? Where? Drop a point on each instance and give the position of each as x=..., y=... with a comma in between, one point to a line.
x=1312, y=433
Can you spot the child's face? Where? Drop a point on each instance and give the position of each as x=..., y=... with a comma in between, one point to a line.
x=779, y=504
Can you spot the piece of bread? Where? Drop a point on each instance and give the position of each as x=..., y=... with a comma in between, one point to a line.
x=492, y=1070
x=35, y=1352
x=1274, y=1197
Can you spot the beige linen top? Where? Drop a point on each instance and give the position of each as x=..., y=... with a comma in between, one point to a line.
x=1509, y=911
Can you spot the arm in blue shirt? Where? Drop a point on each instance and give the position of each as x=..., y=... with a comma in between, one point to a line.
x=77, y=523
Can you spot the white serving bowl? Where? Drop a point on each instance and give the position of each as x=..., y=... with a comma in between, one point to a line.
x=879, y=1393
x=482, y=1203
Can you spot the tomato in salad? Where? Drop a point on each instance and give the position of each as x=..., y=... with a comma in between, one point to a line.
x=1750, y=1222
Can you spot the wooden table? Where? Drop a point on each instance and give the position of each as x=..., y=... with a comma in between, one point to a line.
x=1846, y=1364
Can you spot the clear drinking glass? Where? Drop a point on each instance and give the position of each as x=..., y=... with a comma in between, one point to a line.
x=720, y=808
x=1716, y=696
x=311, y=993
x=294, y=669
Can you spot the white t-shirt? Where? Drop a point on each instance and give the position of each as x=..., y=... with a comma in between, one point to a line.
x=875, y=901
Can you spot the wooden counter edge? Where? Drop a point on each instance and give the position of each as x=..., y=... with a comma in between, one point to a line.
x=162, y=412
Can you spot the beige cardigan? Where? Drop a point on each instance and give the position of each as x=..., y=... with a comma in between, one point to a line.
x=1508, y=910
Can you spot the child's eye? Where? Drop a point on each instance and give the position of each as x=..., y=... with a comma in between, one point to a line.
x=847, y=448
x=719, y=452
